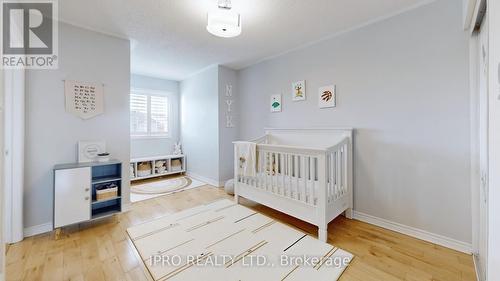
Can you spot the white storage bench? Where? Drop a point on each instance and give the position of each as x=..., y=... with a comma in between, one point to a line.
x=159, y=166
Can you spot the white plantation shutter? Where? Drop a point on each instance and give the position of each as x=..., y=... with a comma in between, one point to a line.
x=138, y=114
x=149, y=115
x=159, y=115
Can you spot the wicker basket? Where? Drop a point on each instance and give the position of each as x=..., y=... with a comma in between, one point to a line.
x=176, y=165
x=144, y=169
x=107, y=193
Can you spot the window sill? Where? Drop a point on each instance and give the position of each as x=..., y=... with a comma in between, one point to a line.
x=149, y=137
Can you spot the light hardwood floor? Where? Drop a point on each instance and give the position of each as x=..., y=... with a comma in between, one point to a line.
x=102, y=251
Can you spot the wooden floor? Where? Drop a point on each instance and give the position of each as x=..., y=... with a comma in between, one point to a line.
x=102, y=250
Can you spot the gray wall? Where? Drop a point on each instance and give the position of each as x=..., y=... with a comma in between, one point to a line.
x=52, y=134
x=227, y=135
x=145, y=147
x=200, y=123
x=402, y=84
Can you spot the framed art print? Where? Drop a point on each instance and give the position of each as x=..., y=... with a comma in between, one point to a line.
x=299, y=90
x=275, y=103
x=88, y=150
x=327, y=97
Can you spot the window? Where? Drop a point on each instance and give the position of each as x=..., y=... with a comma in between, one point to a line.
x=149, y=115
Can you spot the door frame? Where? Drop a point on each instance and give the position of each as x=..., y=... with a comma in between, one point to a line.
x=2, y=185
x=13, y=154
x=493, y=270
x=479, y=168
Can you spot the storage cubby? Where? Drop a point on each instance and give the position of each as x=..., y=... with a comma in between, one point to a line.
x=176, y=164
x=161, y=166
x=106, y=189
x=106, y=207
x=144, y=169
x=105, y=173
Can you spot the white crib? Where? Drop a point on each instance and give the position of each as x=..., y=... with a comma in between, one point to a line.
x=305, y=173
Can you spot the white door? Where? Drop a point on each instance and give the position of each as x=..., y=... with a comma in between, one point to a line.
x=72, y=198
x=483, y=146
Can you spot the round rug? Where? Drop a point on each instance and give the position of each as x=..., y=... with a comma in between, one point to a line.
x=163, y=186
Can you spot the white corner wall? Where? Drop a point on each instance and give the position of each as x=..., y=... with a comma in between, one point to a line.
x=403, y=85
x=227, y=135
x=200, y=124
x=52, y=133
x=206, y=140
x=146, y=147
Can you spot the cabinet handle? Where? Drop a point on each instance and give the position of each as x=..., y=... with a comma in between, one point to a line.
x=87, y=198
x=87, y=189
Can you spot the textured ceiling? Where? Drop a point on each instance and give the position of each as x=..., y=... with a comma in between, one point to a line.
x=169, y=39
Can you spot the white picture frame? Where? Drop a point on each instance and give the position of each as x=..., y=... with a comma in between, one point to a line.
x=275, y=103
x=327, y=96
x=88, y=150
x=299, y=90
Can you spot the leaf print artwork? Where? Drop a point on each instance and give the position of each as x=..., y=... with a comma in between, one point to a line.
x=276, y=103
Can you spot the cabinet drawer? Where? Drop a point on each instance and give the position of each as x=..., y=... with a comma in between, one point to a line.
x=72, y=196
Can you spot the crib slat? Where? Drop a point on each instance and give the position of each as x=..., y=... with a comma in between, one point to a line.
x=295, y=178
x=290, y=166
x=271, y=168
x=275, y=173
x=344, y=170
x=335, y=181
x=282, y=170
x=268, y=155
x=264, y=167
x=339, y=175
x=311, y=180
x=331, y=177
x=306, y=179
x=303, y=183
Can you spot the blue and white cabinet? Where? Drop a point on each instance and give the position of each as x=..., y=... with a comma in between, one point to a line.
x=75, y=192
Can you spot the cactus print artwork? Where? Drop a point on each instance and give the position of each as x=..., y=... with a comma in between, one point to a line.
x=299, y=91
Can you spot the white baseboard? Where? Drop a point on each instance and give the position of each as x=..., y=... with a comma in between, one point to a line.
x=205, y=179
x=37, y=229
x=476, y=267
x=415, y=232
x=47, y=227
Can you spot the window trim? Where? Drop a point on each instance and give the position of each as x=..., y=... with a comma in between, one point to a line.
x=149, y=92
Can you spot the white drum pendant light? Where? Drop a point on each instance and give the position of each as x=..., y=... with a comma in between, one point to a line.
x=223, y=22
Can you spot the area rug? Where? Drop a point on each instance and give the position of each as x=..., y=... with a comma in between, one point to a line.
x=163, y=186
x=172, y=185
x=227, y=241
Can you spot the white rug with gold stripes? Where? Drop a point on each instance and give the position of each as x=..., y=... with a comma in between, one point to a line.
x=227, y=241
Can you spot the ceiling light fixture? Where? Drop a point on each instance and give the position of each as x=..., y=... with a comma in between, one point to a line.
x=223, y=22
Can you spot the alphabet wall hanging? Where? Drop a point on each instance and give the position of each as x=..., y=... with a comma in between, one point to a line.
x=84, y=99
